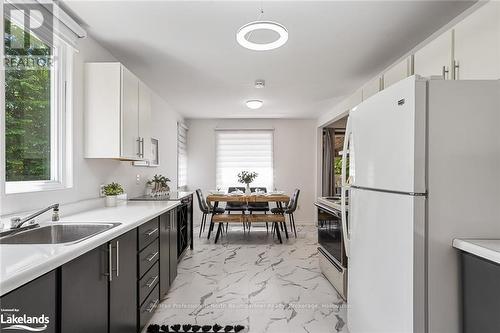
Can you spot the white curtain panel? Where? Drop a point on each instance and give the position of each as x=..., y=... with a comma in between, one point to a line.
x=244, y=150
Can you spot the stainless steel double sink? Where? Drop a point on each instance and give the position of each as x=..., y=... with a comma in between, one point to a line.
x=57, y=233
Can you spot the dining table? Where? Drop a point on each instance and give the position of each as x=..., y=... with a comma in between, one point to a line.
x=280, y=199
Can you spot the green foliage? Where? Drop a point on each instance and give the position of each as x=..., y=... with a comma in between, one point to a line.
x=113, y=189
x=247, y=177
x=337, y=166
x=160, y=180
x=27, y=110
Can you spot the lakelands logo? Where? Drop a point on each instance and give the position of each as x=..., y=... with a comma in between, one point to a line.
x=24, y=322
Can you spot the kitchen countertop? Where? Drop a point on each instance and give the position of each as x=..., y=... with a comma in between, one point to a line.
x=22, y=263
x=485, y=248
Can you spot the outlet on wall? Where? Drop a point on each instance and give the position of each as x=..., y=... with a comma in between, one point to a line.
x=138, y=179
x=101, y=190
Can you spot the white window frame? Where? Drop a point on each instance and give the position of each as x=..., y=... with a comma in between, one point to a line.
x=270, y=130
x=61, y=158
x=182, y=126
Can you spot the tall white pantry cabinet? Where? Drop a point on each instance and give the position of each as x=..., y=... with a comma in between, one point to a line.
x=117, y=113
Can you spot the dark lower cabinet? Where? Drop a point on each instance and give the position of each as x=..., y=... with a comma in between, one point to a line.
x=481, y=294
x=122, y=285
x=173, y=245
x=114, y=288
x=99, y=289
x=147, y=309
x=165, y=222
x=84, y=293
x=35, y=299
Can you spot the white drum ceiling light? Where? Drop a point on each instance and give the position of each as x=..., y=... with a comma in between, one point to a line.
x=245, y=32
x=254, y=104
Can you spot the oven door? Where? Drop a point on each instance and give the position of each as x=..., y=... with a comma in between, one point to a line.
x=330, y=235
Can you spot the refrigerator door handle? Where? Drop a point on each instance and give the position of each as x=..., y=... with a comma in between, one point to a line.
x=345, y=186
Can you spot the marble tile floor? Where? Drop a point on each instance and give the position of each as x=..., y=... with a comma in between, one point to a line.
x=252, y=280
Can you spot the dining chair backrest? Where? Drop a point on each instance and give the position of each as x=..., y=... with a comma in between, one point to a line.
x=262, y=189
x=258, y=204
x=235, y=204
x=201, y=201
x=235, y=188
x=292, y=205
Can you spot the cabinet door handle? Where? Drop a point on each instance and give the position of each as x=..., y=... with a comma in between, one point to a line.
x=151, y=232
x=456, y=69
x=142, y=147
x=110, y=265
x=152, y=256
x=446, y=71
x=152, y=282
x=139, y=147
x=153, y=305
x=117, y=258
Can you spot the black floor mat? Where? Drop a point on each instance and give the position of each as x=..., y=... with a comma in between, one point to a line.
x=188, y=328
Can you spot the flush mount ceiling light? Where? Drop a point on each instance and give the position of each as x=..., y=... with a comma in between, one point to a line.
x=254, y=104
x=244, y=33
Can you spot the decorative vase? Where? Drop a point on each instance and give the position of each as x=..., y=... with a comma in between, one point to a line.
x=149, y=190
x=247, y=190
x=111, y=201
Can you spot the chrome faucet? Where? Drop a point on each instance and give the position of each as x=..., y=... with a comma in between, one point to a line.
x=17, y=222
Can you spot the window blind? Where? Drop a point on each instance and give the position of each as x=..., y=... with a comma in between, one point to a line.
x=244, y=150
x=181, y=155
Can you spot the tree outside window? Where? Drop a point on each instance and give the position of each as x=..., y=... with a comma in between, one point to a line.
x=27, y=106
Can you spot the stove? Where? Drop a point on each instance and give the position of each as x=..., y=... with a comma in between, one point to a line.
x=173, y=196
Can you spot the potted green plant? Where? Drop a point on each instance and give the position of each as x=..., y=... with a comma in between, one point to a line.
x=247, y=177
x=159, y=185
x=111, y=191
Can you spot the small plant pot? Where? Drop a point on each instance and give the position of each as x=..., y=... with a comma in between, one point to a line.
x=247, y=190
x=111, y=201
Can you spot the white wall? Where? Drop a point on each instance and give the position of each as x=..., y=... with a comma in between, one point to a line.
x=89, y=173
x=294, y=157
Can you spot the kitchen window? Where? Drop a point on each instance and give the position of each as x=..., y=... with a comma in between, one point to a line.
x=38, y=67
x=181, y=155
x=244, y=150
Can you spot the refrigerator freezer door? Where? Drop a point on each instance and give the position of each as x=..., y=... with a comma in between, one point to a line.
x=386, y=263
x=388, y=138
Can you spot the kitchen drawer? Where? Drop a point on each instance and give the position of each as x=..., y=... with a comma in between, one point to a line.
x=148, y=307
x=148, y=257
x=148, y=232
x=148, y=282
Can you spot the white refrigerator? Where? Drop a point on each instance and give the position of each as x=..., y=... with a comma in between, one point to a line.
x=421, y=166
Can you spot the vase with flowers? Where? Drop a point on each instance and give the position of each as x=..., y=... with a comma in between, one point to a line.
x=247, y=177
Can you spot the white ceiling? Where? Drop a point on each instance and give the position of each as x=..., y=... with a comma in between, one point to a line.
x=187, y=52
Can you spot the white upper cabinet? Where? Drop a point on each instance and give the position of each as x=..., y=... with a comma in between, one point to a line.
x=130, y=139
x=355, y=99
x=434, y=59
x=371, y=88
x=117, y=113
x=145, y=121
x=477, y=44
x=397, y=73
